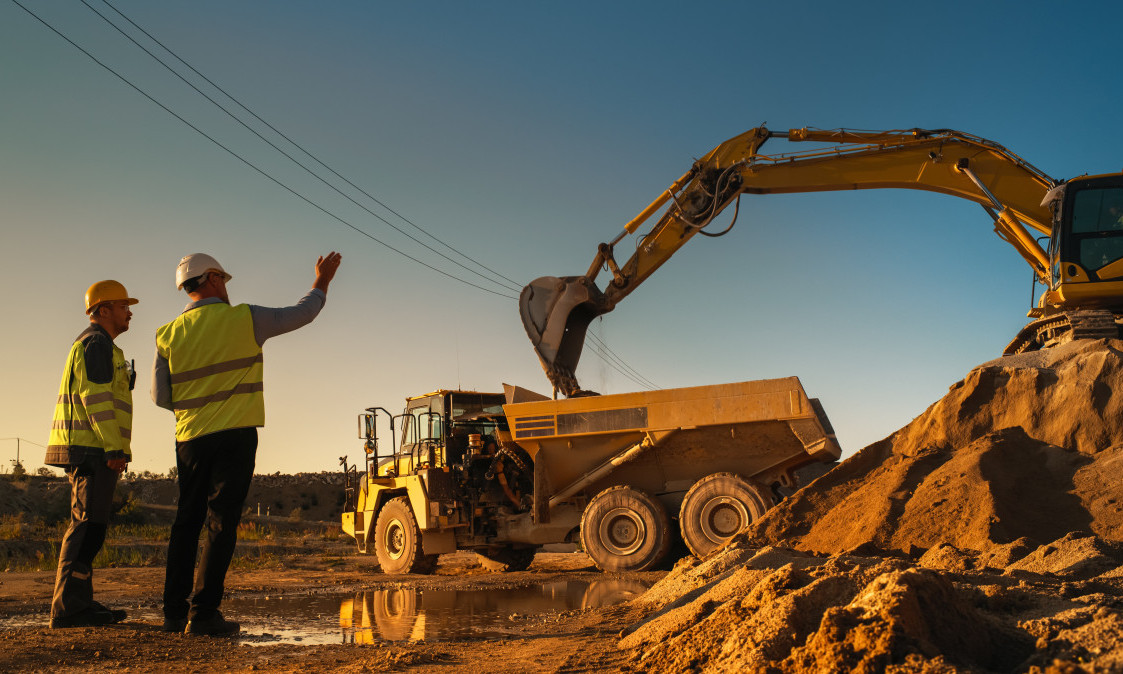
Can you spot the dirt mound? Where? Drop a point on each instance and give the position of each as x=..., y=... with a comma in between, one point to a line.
x=783, y=610
x=983, y=536
x=1025, y=448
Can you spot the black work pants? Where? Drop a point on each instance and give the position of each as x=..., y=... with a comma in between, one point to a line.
x=91, y=504
x=214, y=477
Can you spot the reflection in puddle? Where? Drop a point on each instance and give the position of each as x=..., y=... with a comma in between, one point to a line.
x=400, y=614
x=395, y=614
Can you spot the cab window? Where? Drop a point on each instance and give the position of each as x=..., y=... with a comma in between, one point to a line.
x=422, y=421
x=1097, y=226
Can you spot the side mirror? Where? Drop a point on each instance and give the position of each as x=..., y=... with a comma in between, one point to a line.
x=366, y=426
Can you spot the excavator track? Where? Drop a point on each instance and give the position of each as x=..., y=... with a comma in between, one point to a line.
x=1065, y=327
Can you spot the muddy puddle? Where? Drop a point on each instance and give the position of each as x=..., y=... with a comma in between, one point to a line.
x=399, y=614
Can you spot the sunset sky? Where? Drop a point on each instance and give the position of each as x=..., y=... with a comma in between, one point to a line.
x=521, y=134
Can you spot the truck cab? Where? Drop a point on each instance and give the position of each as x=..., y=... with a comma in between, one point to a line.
x=440, y=484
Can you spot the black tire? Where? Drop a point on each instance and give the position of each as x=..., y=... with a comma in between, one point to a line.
x=505, y=559
x=625, y=529
x=717, y=508
x=397, y=540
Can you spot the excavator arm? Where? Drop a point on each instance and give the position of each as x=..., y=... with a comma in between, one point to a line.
x=556, y=312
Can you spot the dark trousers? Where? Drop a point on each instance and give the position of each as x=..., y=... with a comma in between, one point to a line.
x=91, y=504
x=214, y=477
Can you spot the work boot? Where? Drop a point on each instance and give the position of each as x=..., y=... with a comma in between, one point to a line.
x=87, y=617
x=174, y=624
x=214, y=625
x=116, y=613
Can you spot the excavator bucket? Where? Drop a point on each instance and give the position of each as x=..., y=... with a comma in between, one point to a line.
x=556, y=312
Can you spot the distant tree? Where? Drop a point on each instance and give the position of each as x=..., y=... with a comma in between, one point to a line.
x=173, y=472
x=18, y=471
x=44, y=472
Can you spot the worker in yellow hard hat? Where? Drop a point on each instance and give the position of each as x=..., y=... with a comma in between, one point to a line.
x=208, y=370
x=90, y=438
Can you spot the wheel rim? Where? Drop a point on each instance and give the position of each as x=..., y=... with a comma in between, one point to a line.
x=395, y=539
x=723, y=518
x=622, y=531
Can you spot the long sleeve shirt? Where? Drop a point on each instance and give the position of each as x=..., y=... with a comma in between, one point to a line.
x=93, y=412
x=267, y=322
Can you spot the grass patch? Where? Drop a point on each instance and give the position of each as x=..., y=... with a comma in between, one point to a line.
x=251, y=531
x=31, y=560
x=127, y=555
x=13, y=527
x=251, y=560
x=144, y=532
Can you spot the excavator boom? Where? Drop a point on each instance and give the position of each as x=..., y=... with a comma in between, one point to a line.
x=556, y=311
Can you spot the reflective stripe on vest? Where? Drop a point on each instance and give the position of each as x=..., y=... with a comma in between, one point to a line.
x=89, y=414
x=216, y=369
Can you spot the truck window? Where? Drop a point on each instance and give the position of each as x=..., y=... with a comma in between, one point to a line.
x=468, y=405
x=422, y=421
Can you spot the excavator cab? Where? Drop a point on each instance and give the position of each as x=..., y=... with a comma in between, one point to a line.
x=1090, y=256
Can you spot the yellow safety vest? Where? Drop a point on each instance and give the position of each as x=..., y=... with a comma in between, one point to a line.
x=216, y=370
x=89, y=414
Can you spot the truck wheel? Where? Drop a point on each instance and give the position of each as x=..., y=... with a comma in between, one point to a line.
x=502, y=560
x=716, y=509
x=397, y=540
x=625, y=529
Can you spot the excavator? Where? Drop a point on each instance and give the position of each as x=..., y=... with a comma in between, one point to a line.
x=1080, y=268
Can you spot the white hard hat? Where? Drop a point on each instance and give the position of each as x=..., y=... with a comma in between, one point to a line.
x=197, y=264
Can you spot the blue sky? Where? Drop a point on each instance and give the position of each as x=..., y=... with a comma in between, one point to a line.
x=524, y=134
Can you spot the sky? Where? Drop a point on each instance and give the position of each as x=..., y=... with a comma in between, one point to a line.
x=522, y=135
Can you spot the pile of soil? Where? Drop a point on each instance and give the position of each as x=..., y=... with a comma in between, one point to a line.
x=783, y=610
x=1027, y=446
x=986, y=535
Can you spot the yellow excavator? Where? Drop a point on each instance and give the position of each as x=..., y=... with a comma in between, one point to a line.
x=1080, y=268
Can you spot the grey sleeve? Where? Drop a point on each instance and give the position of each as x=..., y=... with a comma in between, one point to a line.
x=272, y=321
x=161, y=383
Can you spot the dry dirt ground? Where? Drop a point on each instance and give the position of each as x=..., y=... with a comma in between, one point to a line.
x=575, y=640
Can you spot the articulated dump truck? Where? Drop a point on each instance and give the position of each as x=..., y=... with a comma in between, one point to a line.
x=503, y=474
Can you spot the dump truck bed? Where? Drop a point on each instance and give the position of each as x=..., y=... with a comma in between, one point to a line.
x=762, y=429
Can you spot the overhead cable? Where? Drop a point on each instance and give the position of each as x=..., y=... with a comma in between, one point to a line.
x=607, y=354
x=512, y=285
x=253, y=166
x=596, y=349
x=598, y=346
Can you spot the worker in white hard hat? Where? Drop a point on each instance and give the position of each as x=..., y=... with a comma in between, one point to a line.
x=90, y=439
x=208, y=370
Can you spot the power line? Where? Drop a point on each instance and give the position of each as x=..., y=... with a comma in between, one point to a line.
x=608, y=354
x=25, y=440
x=253, y=166
x=597, y=351
x=598, y=346
x=513, y=285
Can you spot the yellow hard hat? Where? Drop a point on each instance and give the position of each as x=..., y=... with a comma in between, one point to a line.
x=106, y=291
